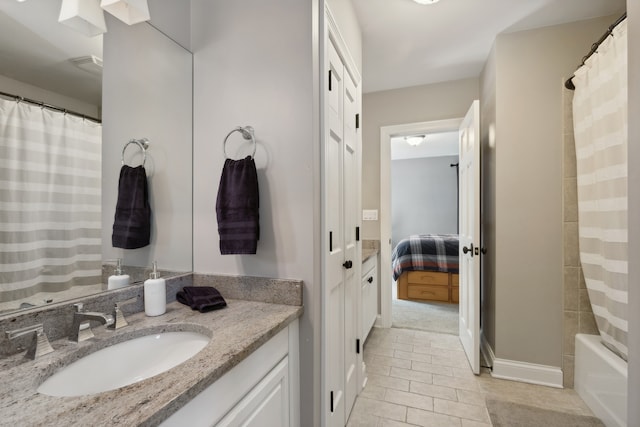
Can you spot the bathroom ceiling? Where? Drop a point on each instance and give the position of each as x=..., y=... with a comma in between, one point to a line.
x=36, y=49
x=407, y=44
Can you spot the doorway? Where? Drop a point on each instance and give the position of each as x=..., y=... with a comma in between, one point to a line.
x=387, y=134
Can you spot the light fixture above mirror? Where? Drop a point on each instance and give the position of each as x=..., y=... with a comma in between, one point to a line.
x=426, y=1
x=128, y=11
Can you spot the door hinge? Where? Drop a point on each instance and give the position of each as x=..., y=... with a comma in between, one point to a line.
x=330, y=80
x=357, y=234
x=358, y=121
x=358, y=346
x=331, y=401
x=331, y=241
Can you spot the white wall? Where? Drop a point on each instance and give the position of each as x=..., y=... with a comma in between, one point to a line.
x=633, y=22
x=147, y=87
x=254, y=65
x=439, y=101
x=424, y=198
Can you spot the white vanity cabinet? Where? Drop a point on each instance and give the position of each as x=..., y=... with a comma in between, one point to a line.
x=261, y=391
x=369, y=294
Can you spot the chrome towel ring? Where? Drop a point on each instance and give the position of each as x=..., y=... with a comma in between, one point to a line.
x=247, y=133
x=143, y=143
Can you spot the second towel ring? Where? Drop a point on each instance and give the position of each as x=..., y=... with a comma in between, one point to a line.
x=142, y=143
x=247, y=133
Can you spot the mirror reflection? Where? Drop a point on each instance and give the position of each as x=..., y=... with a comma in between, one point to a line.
x=59, y=170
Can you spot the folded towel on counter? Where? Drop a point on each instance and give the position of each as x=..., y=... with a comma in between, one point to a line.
x=132, y=222
x=237, y=207
x=201, y=298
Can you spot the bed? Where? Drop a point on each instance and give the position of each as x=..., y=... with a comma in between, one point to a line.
x=425, y=267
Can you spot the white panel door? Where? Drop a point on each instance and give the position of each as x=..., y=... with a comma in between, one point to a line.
x=469, y=305
x=351, y=279
x=334, y=293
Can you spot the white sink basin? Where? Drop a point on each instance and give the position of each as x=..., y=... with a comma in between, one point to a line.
x=124, y=363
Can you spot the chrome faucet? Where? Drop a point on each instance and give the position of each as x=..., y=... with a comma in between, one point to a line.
x=80, y=327
x=39, y=345
x=119, y=320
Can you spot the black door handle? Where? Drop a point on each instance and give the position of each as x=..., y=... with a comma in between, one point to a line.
x=466, y=249
x=370, y=279
x=348, y=264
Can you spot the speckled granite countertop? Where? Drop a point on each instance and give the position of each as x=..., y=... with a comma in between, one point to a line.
x=236, y=332
x=368, y=252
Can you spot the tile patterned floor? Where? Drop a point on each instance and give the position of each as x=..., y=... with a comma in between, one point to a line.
x=419, y=378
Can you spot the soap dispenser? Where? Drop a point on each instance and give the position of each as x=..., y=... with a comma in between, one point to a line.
x=155, y=293
x=118, y=280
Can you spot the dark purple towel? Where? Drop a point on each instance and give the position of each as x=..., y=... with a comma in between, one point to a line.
x=132, y=222
x=237, y=207
x=201, y=298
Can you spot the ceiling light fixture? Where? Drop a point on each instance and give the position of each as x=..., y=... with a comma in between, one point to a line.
x=426, y=1
x=84, y=16
x=414, y=141
x=128, y=11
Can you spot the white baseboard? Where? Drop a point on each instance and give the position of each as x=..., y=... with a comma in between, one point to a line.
x=532, y=373
x=525, y=372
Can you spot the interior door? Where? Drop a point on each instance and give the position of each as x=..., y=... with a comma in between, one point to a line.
x=351, y=279
x=469, y=305
x=334, y=294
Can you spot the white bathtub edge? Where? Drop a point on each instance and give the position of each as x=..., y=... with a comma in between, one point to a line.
x=600, y=379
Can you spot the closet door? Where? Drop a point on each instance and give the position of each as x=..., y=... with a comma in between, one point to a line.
x=350, y=220
x=334, y=282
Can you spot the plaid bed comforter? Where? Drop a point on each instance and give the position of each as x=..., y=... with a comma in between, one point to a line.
x=432, y=252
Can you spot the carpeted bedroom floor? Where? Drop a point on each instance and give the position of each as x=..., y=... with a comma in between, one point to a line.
x=424, y=316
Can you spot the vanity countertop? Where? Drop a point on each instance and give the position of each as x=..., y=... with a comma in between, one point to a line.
x=236, y=332
x=368, y=252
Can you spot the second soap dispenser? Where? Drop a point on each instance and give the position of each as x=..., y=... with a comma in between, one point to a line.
x=155, y=293
x=118, y=279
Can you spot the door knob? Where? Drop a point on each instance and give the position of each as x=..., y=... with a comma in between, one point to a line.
x=348, y=264
x=466, y=249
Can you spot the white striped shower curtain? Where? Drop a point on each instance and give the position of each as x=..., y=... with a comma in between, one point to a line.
x=600, y=127
x=50, y=200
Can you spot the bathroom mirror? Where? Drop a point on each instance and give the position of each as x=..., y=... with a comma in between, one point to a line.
x=143, y=91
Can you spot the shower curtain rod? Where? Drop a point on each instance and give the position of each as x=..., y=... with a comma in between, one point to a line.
x=594, y=47
x=49, y=106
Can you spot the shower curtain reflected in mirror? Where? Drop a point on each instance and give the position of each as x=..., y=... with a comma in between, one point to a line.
x=50, y=194
x=600, y=126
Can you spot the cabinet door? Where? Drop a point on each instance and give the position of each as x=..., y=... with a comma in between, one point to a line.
x=266, y=405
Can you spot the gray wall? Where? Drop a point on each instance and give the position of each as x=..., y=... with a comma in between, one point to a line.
x=143, y=97
x=423, y=197
x=525, y=196
x=448, y=100
x=256, y=63
x=634, y=212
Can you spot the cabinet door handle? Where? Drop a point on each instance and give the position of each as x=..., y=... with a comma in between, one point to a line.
x=370, y=279
x=348, y=264
x=466, y=249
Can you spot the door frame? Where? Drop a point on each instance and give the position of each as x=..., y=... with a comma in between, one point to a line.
x=386, y=133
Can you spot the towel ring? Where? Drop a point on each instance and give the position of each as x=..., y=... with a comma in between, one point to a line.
x=247, y=133
x=142, y=143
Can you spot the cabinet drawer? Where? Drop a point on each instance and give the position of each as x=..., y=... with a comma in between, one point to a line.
x=428, y=278
x=455, y=279
x=429, y=292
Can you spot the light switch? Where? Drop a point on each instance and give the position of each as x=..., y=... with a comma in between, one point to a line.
x=370, y=214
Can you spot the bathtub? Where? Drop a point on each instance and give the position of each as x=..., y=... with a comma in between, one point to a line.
x=601, y=380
